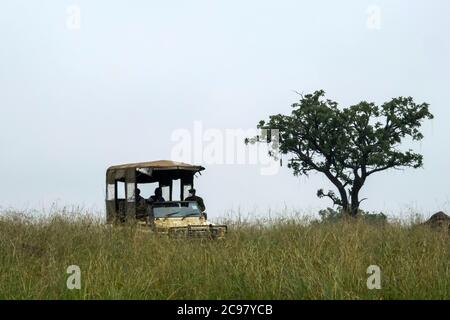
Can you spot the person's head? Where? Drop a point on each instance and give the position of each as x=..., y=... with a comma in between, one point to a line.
x=158, y=192
x=192, y=192
x=138, y=192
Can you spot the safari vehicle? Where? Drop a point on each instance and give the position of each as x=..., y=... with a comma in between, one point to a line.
x=171, y=217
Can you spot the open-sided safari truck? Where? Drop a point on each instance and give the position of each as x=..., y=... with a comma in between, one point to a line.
x=172, y=217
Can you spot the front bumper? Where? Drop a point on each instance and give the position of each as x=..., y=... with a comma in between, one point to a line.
x=199, y=231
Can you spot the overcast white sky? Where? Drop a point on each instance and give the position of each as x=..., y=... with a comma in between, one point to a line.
x=75, y=101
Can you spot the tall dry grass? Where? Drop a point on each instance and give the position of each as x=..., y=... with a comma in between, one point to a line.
x=278, y=259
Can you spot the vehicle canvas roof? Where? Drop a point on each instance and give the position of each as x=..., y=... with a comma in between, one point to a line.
x=159, y=164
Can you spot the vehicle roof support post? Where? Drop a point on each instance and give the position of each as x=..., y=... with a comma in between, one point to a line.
x=111, y=194
x=187, y=182
x=130, y=192
x=181, y=190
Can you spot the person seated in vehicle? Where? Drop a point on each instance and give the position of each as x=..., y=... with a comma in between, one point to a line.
x=139, y=198
x=157, y=197
x=141, y=205
x=199, y=200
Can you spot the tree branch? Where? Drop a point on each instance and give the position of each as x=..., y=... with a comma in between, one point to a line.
x=331, y=195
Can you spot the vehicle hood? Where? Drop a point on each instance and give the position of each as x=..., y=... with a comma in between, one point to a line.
x=179, y=222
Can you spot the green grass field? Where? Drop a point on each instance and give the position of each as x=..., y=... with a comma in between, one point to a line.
x=279, y=259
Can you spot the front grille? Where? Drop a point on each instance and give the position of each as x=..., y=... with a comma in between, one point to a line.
x=198, y=231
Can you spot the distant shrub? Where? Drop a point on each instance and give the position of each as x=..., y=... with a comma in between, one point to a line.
x=335, y=215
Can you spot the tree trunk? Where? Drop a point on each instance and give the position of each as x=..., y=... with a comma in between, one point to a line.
x=344, y=199
x=354, y=197
x=342, y=192
x=355, y=204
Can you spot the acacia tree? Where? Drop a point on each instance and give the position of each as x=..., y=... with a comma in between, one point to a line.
x=347, y=145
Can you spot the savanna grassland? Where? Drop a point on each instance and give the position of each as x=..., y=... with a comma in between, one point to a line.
x=280, y=259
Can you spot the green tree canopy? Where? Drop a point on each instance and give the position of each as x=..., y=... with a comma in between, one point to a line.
x=349, y=144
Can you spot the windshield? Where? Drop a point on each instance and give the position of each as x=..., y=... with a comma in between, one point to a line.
x=176, y=209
